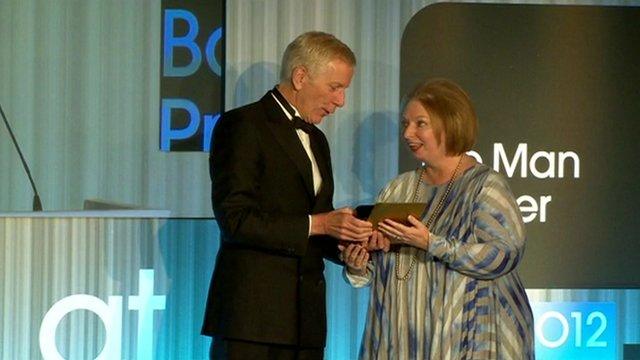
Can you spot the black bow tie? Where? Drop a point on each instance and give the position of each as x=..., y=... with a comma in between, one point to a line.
x=298, y=123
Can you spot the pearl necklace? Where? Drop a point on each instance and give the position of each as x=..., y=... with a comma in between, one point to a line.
x=430, y=221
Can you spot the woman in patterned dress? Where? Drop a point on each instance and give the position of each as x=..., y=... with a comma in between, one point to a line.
x=445, y=286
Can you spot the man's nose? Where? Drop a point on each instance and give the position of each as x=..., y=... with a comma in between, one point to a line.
x=339, y=98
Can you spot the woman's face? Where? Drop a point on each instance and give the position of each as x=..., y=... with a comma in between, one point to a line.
x=420, y=135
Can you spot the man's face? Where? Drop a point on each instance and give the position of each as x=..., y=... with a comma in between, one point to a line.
x=321, y=93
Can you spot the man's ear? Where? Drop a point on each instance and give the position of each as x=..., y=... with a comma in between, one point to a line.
x=299, y=76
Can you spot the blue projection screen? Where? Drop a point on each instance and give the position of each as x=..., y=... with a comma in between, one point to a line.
x=191, y=80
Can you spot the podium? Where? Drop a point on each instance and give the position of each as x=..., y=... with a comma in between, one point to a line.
x=106, y=284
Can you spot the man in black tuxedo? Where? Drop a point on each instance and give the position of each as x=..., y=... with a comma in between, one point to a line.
x=272, y=190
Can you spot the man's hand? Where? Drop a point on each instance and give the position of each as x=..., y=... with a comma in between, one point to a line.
x=378, y=242
x=356, y=258
x=341, y=224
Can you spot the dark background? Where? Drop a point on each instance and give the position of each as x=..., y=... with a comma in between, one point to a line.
x=562, y=78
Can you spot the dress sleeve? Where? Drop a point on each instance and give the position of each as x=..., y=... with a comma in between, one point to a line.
x=494, y=243
x=359, y=281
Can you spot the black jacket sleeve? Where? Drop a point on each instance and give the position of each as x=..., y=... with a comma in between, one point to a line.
x=237, y=168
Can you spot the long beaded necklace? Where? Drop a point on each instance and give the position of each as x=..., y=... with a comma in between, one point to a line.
x=430, y=221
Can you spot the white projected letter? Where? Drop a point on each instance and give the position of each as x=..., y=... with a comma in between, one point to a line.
x=551, y=164
x=111, y=316
x=564, y=327
x=475, y=155
x=562, y=156
x=520, y=156
x=145, y=303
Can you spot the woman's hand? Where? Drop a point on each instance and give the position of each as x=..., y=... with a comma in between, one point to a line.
x=356, y=257
x=416, y=235
x=378, y=241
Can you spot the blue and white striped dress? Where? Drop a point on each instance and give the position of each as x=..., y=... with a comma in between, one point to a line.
x=464, y=299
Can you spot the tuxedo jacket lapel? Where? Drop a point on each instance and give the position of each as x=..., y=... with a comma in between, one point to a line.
x=322, y=157
x=319, y=146
x=286, y=135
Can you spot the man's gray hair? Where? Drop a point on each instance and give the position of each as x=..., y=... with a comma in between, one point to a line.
x=313, y=50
